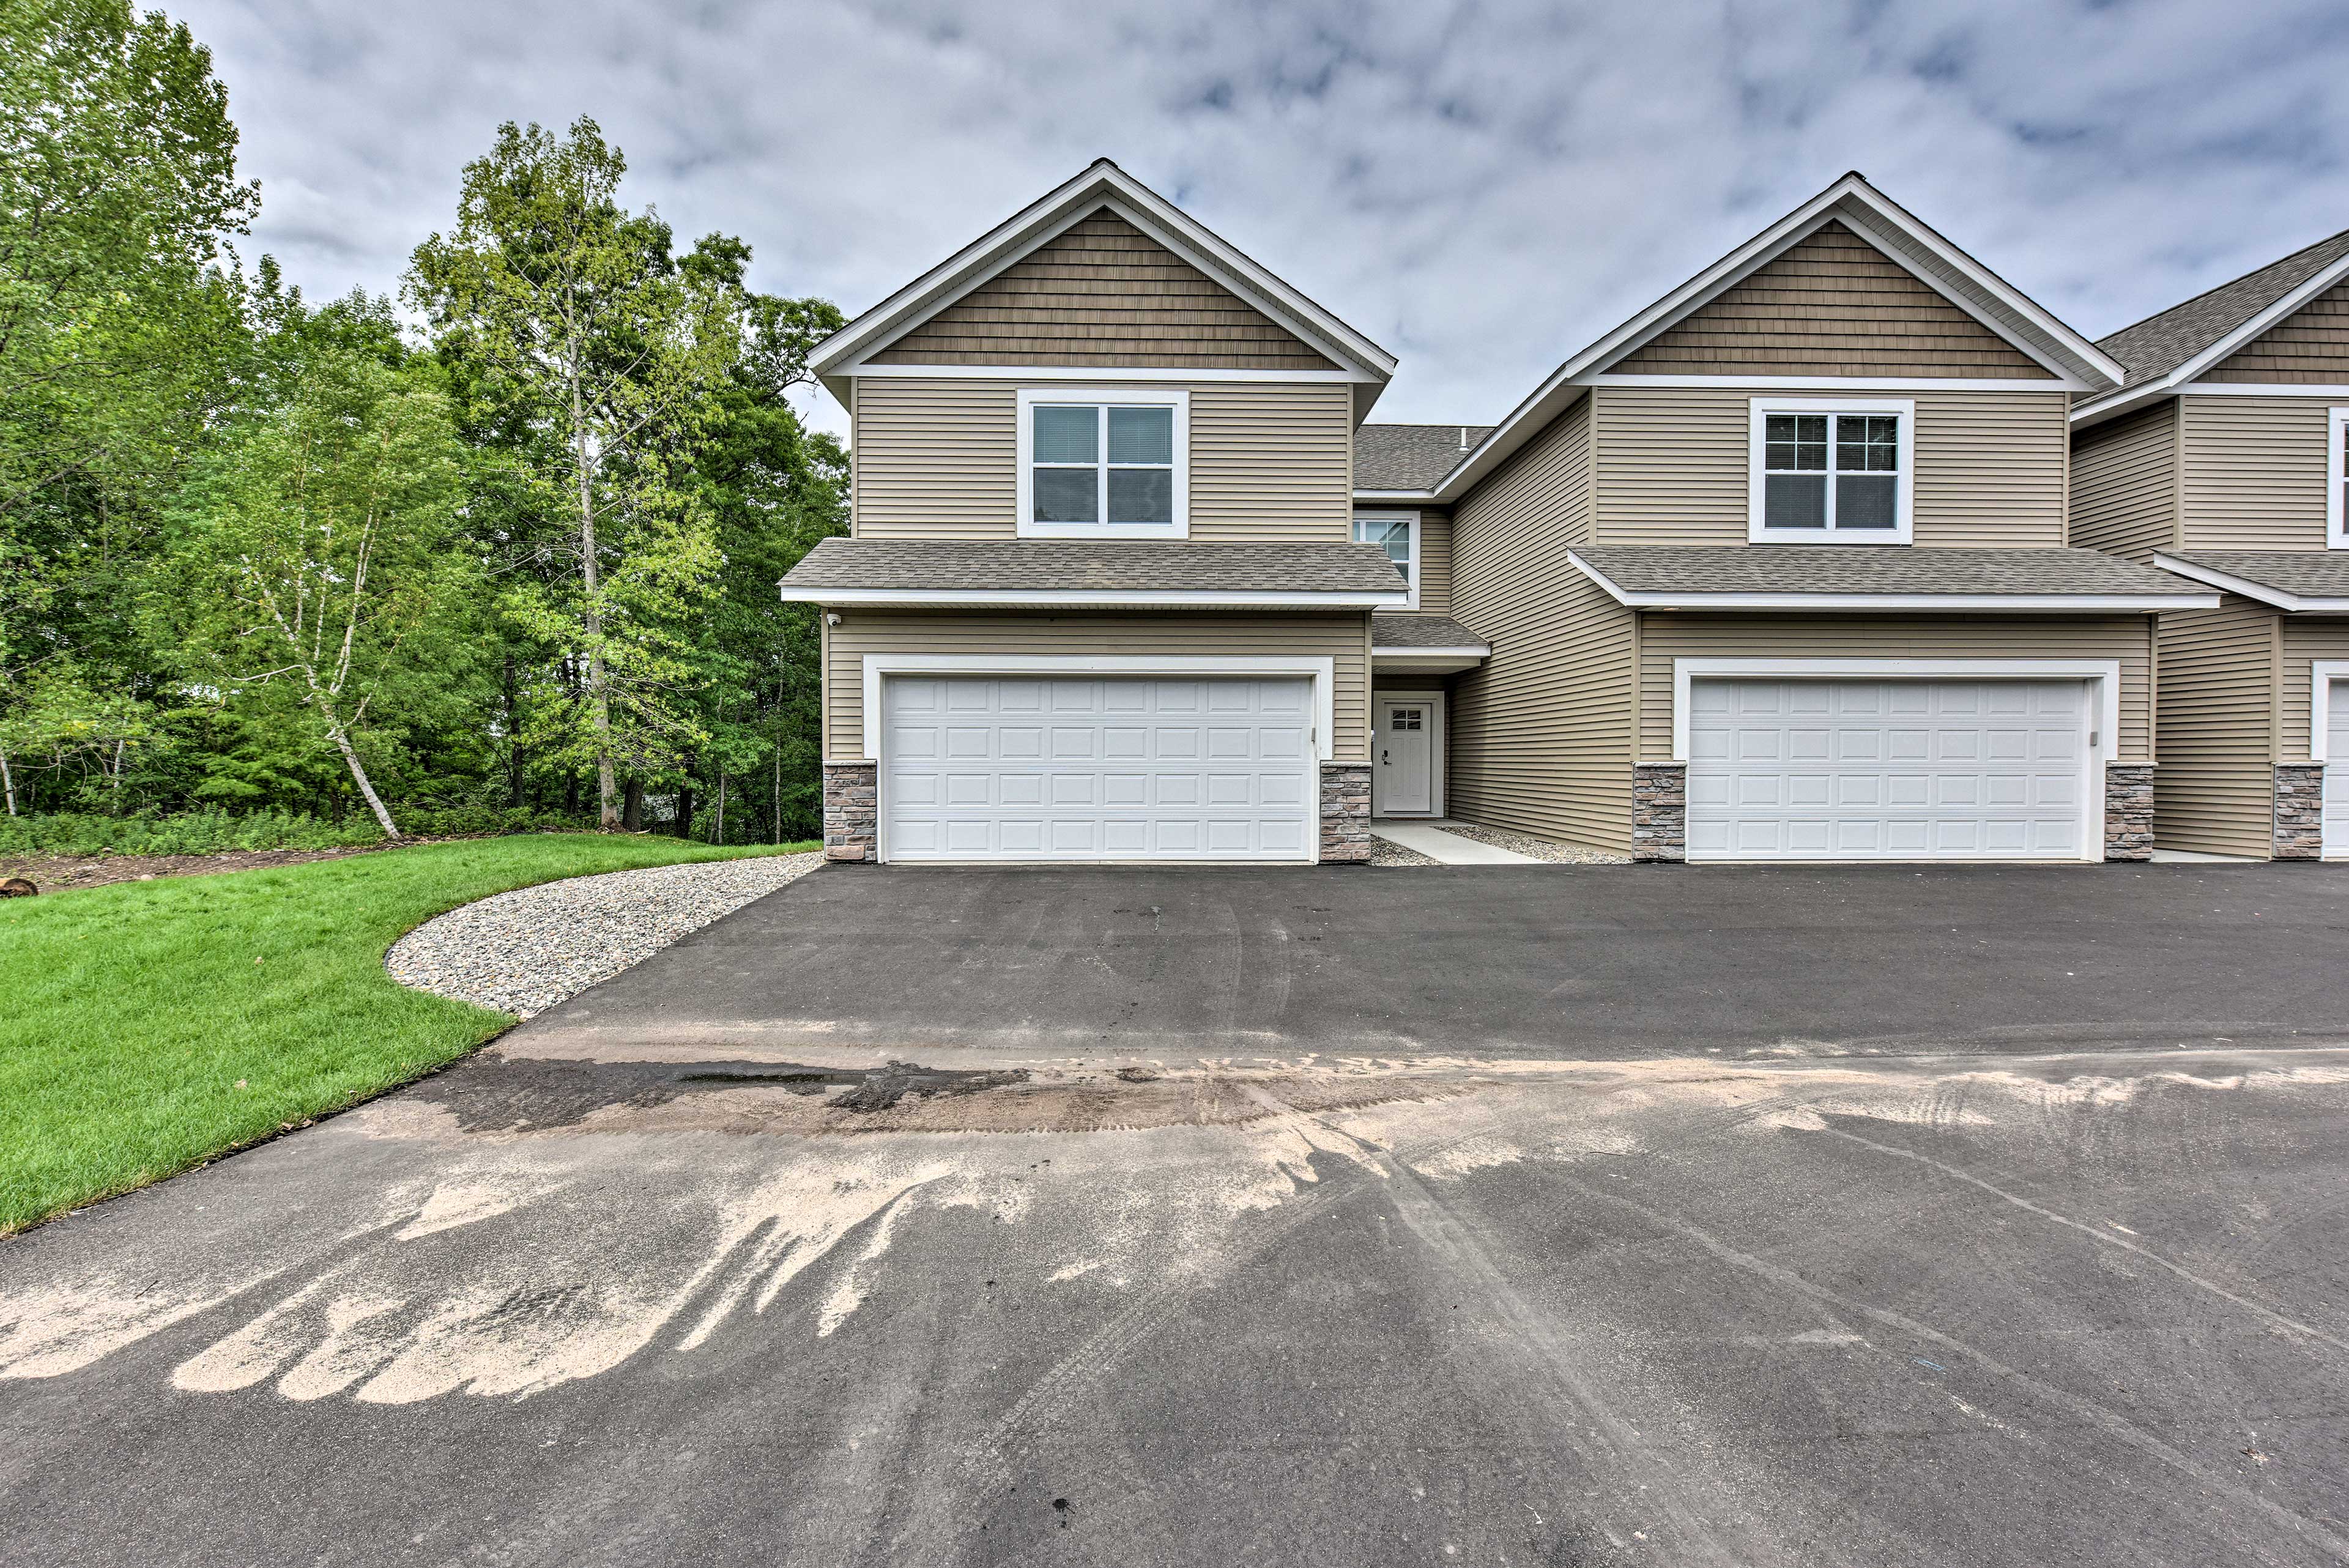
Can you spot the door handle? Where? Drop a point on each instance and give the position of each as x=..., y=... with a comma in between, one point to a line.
x=1383, y=760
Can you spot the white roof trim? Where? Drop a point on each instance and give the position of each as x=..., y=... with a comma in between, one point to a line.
x=1066, y=598
x=2055, y=604
x=2182, y=375
x=1103, y=183
x=2297, y=603
x=1466, y=650
x=2072, y=357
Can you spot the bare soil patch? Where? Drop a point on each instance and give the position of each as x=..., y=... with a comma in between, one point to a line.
x=65, y=872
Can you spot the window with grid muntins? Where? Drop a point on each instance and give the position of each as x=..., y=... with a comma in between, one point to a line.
x=1828, y=472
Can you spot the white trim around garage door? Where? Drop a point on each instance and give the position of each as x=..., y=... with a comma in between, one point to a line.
x=1320, y=669
x=2321, y=674
x=2105, y=673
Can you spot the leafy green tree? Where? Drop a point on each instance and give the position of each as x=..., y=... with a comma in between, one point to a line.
x=571, y=318
x=321, y=549
x=119, y=317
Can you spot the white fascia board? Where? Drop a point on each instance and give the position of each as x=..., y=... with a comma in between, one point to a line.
x=1031, y=373
x=1103, y=183
x=1466, y=650
x=1320, y=669
x=2296, y=604
x=1893, y=229
x=1859, y=385
x=2106, y=672
x=1073, y=598
x=2327, y=391
x=1393, y=495
x=2181, y=377
x=2049, y=604
x=1555, y=395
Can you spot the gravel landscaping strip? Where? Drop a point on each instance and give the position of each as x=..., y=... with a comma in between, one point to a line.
x=1526, y=844
x=523, y=951
x=1385, y=851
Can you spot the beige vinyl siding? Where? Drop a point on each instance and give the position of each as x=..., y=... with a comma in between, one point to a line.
x=2125, y=485
x=1672, y=465
x=1831, y=305
x=2251, y=472
x=1666, y=636
x=1271, y=463
x=1344, y=639
x=2305, y=638
x=1103, y=293
x=1541, y=733
x=2215, y=790
x=2310, y=344
x=1435, y=562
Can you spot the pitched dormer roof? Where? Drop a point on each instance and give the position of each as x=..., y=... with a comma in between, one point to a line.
x=1859, y=207
x=2171, y=348
x=1102, y=187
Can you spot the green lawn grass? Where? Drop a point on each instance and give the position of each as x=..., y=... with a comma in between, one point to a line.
x=147, y=1026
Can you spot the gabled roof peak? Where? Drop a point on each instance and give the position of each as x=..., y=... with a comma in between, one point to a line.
x=1102, y=184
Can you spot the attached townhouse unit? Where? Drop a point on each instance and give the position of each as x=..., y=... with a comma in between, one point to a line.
x=2221, y=457
x=1777, y=570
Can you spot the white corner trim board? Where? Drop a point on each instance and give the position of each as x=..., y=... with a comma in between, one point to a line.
x=2105, y=672
x=1320, y=669
x=2297, y=603
x=2321, y=674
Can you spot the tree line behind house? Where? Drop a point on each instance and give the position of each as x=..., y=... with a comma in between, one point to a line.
x=499, y=552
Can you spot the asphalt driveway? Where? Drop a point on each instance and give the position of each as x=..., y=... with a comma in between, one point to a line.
x=1519, y=1215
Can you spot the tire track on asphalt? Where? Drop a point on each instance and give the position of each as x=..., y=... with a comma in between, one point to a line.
x=2085, y=1409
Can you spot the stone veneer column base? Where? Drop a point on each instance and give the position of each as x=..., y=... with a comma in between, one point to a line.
x=851, y=811
x=1659, y=811
x=1345, y=812
x=2128, y=811
x=2299, y=811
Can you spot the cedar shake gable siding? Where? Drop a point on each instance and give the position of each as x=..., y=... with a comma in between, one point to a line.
x=1102, y=293
x=1831, y=305
x=2311, y=346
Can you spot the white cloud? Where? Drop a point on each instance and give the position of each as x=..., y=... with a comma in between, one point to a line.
x=1482, y=188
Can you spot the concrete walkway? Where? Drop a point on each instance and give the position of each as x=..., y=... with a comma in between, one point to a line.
x=1447, y=848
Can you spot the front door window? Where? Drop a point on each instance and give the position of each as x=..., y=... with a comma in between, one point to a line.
x=1404, y=776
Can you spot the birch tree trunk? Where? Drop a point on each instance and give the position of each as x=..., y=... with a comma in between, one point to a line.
x=8, y=782
x=359, y=773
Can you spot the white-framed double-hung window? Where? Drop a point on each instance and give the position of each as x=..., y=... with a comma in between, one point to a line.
x=1108, y=465
x=1835, y=470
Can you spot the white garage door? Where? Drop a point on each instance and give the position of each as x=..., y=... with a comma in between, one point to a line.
x=1888, y=770
x=1002, y=768
x=2336, y=774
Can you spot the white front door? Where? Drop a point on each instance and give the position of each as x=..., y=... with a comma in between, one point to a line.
x=1888, y=770
x=1402, y=777
x=1055, y=768
x=2336, y=774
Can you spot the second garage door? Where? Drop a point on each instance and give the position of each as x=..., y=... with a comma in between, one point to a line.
x=1001, y=768
x=1888, y=770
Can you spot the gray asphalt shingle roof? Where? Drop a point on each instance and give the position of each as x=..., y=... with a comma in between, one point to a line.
x=1415, y=630
x=2160, y=343
x=1868, y=569
x=1102, y=566
x=1409, y=457
x=2307, y=573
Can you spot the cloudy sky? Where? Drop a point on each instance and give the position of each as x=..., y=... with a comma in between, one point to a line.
x=1482, y=188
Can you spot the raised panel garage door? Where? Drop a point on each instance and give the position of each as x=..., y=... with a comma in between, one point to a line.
x=1888, y=770
x=1004, y=768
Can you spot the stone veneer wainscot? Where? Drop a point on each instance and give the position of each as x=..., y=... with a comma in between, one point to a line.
x=851, y=811
x=1345, y=812
x=2300, y=810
